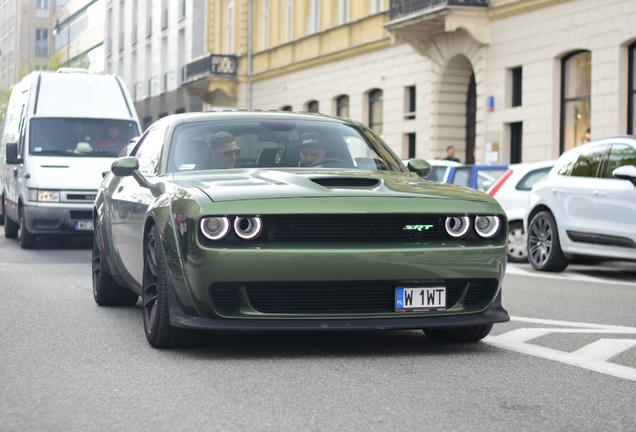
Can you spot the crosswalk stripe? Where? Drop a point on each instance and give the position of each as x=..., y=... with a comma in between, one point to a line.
x=604, y=349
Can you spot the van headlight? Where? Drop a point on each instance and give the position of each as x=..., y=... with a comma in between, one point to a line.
x=248, y=227
x=43, y=195
x=215, y=228
x=487, y=226
x=457, y=226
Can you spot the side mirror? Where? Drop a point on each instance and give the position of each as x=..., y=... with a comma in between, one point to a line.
x=627, y=172
x=125, y=166
x=12, y=154
x=419, y=166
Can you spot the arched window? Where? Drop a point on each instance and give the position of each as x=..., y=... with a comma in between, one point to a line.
x=312, y=106
x=631, y=108
x=286, y=108
x=342, y=106
x=576, y=86
x=375, y=111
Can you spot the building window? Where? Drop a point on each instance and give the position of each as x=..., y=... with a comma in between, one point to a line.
x=265, y=24
x=313, y=107
x=516, y=87
x=135, y=27
x=631, y=108
x=286, y=108
x=576, y=86
x=180, y=111
x=313, y=20
x=146, y=122
x=375, y=111
x=516, y=132
x=376, y=6
x=409, y=102
x=121, y=25
x=164, y=15
x=411, y=143
x=148, y=18
x=42, y=9
x=182, y=9
x=342, y=106
x=289, y=18
x=343, y=11
x=230, y=27
x=41, y=42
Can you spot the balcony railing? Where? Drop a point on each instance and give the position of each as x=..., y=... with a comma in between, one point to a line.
x=401, y=8
x=214, y=64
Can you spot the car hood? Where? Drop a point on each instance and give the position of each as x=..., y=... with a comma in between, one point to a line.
x=74, y=173
x=249, y=184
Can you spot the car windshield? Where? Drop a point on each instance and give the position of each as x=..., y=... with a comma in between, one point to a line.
x=79, y=137
x=278, y=143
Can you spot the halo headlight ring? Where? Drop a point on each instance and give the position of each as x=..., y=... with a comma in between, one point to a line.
x=248, y=227
x=215, y=227
x=487, y=226
x=457, y=226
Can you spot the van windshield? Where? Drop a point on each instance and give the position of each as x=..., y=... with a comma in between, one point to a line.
x=80, y=137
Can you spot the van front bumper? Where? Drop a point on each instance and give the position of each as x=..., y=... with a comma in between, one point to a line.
x=77, y=220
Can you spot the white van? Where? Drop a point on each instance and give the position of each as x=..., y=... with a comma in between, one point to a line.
x=62, y=130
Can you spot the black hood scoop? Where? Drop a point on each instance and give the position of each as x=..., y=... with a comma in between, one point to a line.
x=334, y=182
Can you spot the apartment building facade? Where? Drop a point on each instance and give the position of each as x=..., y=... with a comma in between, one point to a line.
x=502, y=81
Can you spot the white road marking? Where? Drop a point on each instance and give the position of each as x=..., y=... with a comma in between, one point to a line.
x=520, y=271
x=593, y=356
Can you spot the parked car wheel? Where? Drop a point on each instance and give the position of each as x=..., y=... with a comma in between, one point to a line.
x=11, y=228
x=159, y=332
x=1, y=210
x=517, y=243
x=459, y=334
x=106, y=291
x=544, y=249
x=27, y=239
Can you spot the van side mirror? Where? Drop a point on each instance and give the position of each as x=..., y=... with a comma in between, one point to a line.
x=627, y=172
x=421, y=167
x=12, y=154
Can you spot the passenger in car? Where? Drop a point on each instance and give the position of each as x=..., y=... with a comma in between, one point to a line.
x=312, y=149
x=223, y=151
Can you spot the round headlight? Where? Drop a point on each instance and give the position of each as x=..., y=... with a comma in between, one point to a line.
x=457, y=226
x=249, y=227
x=215, y=228
x=487, y=226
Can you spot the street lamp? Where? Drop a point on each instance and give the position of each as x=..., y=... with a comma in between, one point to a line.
x=56, y=30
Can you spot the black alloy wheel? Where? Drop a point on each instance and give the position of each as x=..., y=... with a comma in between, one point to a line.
x=159, y=332
x=27, y=239
x=544, y=248
x=106, y=291
x=459, y=334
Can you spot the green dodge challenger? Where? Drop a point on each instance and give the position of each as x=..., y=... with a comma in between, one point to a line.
x=276, y=221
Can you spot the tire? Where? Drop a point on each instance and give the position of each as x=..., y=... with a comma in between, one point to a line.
x=459, y=334
x=517, y=243
x=1, y=210
x=11, y=228
x=159, y=332
x=27, y=239
x=544, y=247
x=106, y=291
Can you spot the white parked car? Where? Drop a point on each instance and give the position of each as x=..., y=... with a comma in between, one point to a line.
x=512, y=190
x=585, y=208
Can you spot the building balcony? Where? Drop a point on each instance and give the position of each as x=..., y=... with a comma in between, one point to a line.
x=416, y=21
x=211, y=74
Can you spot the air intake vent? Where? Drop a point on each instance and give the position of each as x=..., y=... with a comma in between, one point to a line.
x=346, y=182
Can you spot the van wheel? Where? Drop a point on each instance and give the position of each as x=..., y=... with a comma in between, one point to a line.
x=10, y=228
x=544, y=247
x=27, y=239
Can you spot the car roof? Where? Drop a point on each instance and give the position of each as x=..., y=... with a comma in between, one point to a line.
x=255, y=115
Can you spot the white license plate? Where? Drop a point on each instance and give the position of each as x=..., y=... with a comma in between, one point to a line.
x=420, y=299
x=84, y=225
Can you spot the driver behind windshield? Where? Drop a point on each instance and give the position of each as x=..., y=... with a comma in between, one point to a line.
x=312, y=149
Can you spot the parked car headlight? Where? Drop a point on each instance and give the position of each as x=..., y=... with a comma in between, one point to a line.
x=43, y=195
x=215, y=228
x=249, y=227
x=457, y=226
x=487, y=226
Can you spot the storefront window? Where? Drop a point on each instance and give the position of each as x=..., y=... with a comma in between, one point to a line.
x=631, y=108
x=576, y=84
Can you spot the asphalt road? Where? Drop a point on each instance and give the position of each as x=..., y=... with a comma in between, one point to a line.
x=566, y=361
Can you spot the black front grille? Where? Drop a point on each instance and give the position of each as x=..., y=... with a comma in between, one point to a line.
x=362, y=227
x=479, y=292
x=80, y=197
x=225, y=298
x=346, y=182
x=81, y=214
